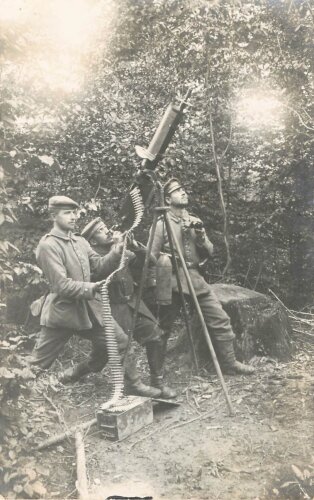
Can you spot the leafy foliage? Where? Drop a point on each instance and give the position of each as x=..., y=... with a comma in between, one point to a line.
x=82, y=144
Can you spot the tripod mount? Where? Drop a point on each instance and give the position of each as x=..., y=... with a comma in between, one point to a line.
x=161, y=211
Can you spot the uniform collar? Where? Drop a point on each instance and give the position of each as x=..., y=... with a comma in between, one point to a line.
x=59, y=234
x=175, y=218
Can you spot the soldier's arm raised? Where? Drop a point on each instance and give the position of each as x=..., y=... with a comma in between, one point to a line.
x=102, y=266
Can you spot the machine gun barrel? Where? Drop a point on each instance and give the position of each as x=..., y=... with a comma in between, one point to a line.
x=163, y=134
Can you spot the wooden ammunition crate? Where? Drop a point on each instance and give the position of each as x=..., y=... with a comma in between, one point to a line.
x=118, y=424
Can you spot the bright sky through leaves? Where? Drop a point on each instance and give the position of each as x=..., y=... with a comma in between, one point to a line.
x=259, y=110
x=66, y=31
x=11, y=10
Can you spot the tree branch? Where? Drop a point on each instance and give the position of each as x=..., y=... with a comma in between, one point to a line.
x=221, y=198
x=228, y=144
x=300, y=117
x=310, y=10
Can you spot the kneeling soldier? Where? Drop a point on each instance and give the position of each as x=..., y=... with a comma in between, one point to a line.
x=123, y=299
x=72, y=306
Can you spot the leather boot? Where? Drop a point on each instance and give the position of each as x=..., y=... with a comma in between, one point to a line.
x=133, y=383
x=156, y=352
x=229, y=364
x=74, y=373
x=140, y=389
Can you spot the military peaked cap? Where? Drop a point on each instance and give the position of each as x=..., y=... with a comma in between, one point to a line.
x=62, y=203
x=91, y=228
x=171, y=185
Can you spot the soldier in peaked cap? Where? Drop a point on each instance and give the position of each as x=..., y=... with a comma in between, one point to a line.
x=92, y=228
x=172, y=185
x=123, y=295
x=195, y=246
x=73, y=304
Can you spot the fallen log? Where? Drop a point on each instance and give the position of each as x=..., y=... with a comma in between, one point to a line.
x=64, y=435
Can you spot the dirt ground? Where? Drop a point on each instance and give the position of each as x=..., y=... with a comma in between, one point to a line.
x=194, y=451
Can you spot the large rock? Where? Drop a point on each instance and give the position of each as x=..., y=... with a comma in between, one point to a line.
x=262, y=326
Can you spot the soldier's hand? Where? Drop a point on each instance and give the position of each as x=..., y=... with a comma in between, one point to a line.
x=118, y=247
x=98, y=286
x=117, y=237
x=198, y=227
x=200, y=232
x=133, y=244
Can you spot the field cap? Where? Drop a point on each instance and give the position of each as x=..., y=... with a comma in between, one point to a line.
x=62, y=203
x=171, y=185
x=90, y=229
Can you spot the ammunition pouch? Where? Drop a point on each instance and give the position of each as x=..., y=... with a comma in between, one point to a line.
x=164, y=270
x=37, y=305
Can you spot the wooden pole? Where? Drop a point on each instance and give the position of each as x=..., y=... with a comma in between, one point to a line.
x=201, y=317
x=57, y=438
x=81, y=482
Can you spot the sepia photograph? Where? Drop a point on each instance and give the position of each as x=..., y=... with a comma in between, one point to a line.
x=157, y=249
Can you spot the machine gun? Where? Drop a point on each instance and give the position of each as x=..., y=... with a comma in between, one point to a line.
x=151, y=156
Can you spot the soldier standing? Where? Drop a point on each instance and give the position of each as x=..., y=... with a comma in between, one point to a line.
x=122, y=295
x=73, y=304
x=194, y=245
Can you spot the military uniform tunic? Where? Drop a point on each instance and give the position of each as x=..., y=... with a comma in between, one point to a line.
x=195, y=246
x=123, y=296
x=67, y=263
x=70, y=306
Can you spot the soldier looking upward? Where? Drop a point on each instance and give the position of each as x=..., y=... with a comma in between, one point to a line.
x=194, y=245
x=122, y=294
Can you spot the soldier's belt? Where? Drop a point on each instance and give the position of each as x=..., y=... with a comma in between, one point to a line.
x=189, y=265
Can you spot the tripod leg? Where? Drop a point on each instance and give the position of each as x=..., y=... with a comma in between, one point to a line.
x=200, y=315
x=185, y=312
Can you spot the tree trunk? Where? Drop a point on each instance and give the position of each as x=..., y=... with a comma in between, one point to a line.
x=261, y=325
x=301, y=230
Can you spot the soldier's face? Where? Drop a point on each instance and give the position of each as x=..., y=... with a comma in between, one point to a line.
x=103, y=235
x=179, y=198
x=66, y=219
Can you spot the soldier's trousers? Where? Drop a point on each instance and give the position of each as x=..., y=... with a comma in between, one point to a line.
x=216, y=319
x=52, y=341
x=146, y=329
